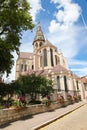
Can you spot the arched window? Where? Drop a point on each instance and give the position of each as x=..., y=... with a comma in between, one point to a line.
x=63, y=62
x=51, y=57
x=45, y=57
x=40, y=61
x=23, y=67
x=32, y=67
x=36, y=44
x=77, y=85
x=65, y=84
x=56, y=60
x=58, y=83
x=40, y=44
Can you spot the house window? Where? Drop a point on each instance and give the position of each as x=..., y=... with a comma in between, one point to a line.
x=45, y=57
x=58, y=83
x=65, y=84
x=51, y=56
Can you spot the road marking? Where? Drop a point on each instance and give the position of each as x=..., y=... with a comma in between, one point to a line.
x=57, y=120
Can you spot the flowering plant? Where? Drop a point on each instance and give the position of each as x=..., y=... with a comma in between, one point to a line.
x=61, y=99
x=69, y=98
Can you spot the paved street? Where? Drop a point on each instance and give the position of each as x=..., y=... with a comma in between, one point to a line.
x=77, y=120
x=33, y=122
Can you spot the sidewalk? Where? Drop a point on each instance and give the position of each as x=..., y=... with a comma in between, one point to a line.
x=37, y=121
x=59, y=113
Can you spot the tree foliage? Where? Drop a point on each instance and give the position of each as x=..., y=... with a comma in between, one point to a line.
x=29, y=84
x=33, y=85
x=14, y=19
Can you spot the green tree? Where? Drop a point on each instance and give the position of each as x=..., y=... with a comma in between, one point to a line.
x=8, y=89
x=46, y=86
x=33, y=85
x=14, y=19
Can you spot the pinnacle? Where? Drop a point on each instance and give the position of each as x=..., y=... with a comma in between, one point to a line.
x=39, y=34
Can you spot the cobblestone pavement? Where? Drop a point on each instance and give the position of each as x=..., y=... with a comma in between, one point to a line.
x=33, y=122
x=77, y=120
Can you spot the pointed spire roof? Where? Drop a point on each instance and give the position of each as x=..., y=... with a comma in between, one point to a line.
x=39, y=34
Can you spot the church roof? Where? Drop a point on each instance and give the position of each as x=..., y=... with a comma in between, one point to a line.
x=59, y=68
x=48, y=43
x=25, y=55
x=42, y=72
x=39, y=34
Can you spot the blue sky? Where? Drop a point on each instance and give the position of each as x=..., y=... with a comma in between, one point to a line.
x=64, y=23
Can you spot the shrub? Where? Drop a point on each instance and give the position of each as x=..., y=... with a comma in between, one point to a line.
x=46, y=101
x=79, y=97
x=34, y=102
x=75, y=98
x=61, y=99
x=70, y=99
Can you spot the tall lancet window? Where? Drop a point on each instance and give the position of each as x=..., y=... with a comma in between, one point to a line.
x=45, y=57
x=40, y=61
x=58, y=83
x=77, y=85
x=51, y=55
x=65, y=83
x=56, y=59
x=23, y=67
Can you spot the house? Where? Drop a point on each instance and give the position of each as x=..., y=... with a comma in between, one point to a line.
x=84, y=80
x=46, y=60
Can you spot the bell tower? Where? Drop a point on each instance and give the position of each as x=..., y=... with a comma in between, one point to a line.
x=39, y=38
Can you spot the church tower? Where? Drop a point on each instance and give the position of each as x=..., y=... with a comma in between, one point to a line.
x=39, y=39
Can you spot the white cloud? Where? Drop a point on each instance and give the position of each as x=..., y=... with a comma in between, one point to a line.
x=67, y=13
x=61, y=1
x=62, y=30
x=78, y=62
x=66, y=40
x=67, y=36
x=35, y=7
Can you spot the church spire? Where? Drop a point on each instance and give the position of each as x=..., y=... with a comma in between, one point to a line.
x=39, y=34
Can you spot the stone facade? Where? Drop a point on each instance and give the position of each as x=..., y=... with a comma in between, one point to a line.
x=46, y=60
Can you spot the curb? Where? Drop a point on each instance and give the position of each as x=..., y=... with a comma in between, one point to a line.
x=58, y=117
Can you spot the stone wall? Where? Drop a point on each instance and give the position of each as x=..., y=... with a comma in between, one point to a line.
x=9, y=115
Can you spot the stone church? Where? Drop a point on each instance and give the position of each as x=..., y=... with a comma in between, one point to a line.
x=46, y=60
